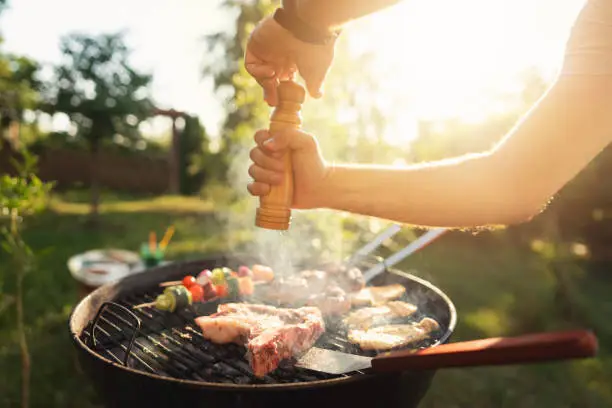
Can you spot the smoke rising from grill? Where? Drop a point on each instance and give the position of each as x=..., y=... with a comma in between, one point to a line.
x=312, y=234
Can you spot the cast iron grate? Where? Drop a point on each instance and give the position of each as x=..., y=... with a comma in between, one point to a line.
x=171, y=345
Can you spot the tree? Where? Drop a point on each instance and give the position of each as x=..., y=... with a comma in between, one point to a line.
x=19, y=87
x=193, y=151
x=452, y=137
x=102, y=94
x=245, y=107
x=20, y=197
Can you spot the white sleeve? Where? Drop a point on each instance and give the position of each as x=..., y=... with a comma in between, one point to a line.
x=589, y=47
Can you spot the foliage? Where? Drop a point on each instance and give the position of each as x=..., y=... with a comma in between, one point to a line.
x=20, y=196
x=24, y=194
x=246, y=110
x=350, y=122
x=98, y=89
x=19, y=85
x=101, y=93
x=454, y=137
x=193, y=155
x=497, y=287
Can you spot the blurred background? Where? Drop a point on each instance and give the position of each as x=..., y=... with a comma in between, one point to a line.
x=122, y=118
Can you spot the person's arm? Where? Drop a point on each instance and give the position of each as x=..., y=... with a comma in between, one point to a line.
x=569, y=126
x=550, y=145
x=329, y=14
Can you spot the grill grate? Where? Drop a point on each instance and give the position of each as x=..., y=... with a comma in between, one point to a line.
x=171, y=345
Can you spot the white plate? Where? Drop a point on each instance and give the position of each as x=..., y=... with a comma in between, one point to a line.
x=101, y=266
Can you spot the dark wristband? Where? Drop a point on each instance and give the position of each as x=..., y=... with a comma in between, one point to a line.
x=301, y=30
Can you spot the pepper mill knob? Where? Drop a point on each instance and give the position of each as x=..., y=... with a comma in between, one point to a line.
x=274, y=210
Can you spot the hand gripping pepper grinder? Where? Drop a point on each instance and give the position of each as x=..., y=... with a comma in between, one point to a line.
x=274, y=210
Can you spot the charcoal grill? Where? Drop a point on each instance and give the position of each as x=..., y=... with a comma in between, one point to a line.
x=148, y=358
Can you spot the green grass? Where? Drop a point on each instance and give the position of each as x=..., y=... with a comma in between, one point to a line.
x=498, y=288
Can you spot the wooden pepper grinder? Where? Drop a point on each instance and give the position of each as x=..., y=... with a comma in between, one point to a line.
x=274, y=210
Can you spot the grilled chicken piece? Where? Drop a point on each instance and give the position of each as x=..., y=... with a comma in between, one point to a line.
x=370, y=316
x=332, y=302
x=270, y=334
x=393, y=336
x=377, y=295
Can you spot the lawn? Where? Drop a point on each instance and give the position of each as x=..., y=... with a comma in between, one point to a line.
x=498, y=288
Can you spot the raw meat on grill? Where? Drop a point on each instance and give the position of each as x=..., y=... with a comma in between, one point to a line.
x=377, y=295
x=393, y=336
x=270, y=334
x=371, y=316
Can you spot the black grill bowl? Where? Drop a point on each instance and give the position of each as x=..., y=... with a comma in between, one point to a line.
x=132, y=386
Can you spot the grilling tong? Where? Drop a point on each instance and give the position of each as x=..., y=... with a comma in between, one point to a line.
x=531, y=348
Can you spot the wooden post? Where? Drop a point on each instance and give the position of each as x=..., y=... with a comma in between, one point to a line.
x=274, y=210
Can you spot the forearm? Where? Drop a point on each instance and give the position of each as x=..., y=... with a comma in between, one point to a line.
x=550, y=145
x=461, y=193
x=328, y=14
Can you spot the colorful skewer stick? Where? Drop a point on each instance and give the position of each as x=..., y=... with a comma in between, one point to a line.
x=172, y=298
x=175, y=283
x=260, y=274
x=152, y=241
x=167, y=237
x=189, y=291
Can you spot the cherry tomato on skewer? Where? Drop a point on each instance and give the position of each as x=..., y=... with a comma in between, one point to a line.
x=197, y=293
x=188, y=281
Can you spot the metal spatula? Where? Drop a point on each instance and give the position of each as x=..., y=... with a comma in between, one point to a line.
x=530, y=348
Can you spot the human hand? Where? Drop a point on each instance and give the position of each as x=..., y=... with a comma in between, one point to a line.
x=273, y=54
x=310, y=170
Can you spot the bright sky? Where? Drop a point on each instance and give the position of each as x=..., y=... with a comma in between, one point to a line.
x=446, y=55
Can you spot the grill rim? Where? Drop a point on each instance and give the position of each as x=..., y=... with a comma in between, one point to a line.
x=177, y=267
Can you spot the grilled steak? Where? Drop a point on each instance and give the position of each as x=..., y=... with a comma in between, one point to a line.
x=370, y=316
x=270, y=334
x=392, y=336
x=377, y=295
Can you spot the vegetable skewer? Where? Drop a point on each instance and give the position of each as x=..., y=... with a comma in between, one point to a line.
x=208, y=286
x=259, y=273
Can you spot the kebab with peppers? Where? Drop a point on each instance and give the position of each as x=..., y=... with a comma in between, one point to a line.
x=210, y=285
